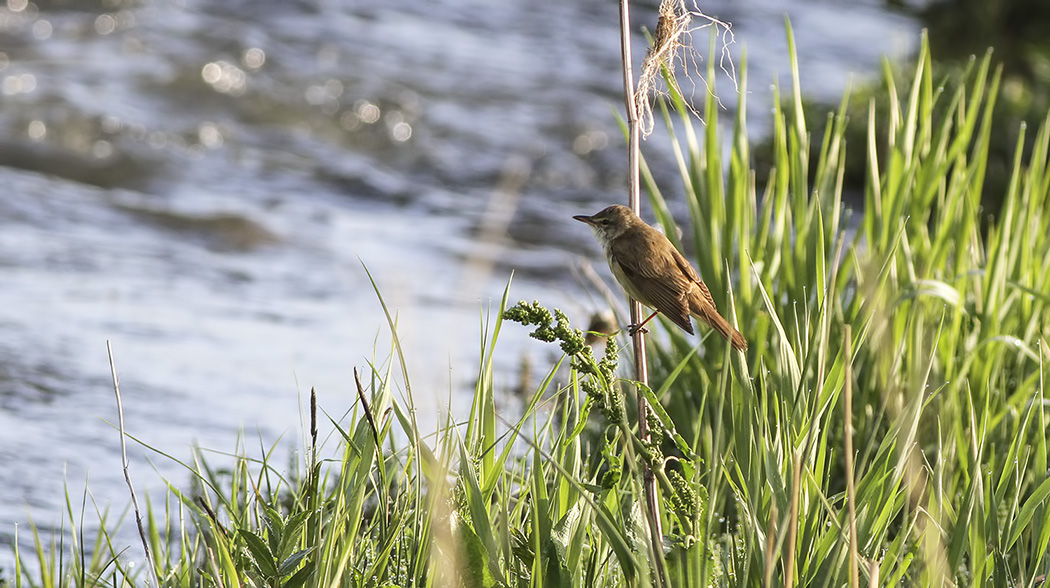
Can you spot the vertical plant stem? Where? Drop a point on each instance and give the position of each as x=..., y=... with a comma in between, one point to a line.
x=127, y=474
x=793, y=523
x=851, y=489
x=771, y=546
x=652, y=498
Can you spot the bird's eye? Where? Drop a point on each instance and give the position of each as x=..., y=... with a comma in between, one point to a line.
x=605, y=221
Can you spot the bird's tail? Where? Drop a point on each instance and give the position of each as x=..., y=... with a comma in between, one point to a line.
x=707, y=314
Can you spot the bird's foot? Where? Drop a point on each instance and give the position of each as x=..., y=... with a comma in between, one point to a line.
x=640, y=328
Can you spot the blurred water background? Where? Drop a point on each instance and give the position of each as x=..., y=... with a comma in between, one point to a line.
x=200, y=183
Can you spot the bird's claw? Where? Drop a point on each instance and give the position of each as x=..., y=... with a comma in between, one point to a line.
x=633, y=330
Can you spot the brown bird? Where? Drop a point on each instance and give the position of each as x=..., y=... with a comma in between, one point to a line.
x=654, y=273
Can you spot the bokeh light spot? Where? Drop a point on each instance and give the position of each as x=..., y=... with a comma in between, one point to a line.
x=102, y=149
x=402, y=131
x=224, y=77
x=42, y=29
x=366, y=111
x=254, y=58
x=210, y=136
x=105, y=24
x=37, y=130
x=18, y=84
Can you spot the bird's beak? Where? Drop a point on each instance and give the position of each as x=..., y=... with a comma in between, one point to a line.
x=584, y=219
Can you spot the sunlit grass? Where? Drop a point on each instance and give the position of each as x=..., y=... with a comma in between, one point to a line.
x=944, y=308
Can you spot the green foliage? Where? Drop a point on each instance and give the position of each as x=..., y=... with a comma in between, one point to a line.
x=924, y=318
x=944, y=310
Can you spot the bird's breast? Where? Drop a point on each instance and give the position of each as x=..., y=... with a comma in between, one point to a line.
x=626, y=281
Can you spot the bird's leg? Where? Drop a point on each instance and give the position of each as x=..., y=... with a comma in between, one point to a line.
x=632, y=329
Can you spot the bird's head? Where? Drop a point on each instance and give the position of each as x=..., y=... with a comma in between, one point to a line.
x=610, y=222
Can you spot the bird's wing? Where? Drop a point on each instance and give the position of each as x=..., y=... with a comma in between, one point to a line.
x=687, y=269
x=657, y=282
